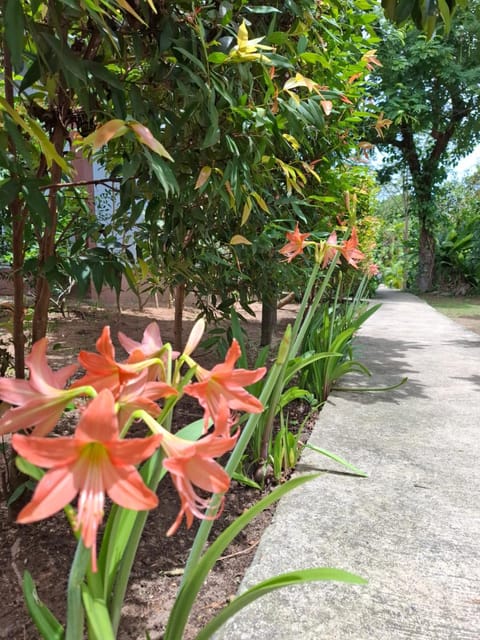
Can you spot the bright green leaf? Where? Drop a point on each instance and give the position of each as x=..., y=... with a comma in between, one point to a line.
x=48, y=626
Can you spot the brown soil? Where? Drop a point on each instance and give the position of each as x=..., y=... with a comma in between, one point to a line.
x=46, y=548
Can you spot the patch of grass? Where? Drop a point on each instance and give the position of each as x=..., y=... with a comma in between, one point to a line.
x=454, y=306
x=464, y=310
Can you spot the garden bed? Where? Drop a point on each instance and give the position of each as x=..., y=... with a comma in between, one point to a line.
x=46, y=548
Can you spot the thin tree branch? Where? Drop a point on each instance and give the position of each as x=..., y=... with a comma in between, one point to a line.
x=81, y=183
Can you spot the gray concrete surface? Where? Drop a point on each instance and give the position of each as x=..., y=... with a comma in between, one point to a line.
x=412, y=528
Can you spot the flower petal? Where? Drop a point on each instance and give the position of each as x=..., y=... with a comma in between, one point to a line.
x=43, y=417
x=46, y=452
x=125, y=486
x=207, y=474
x=42, y=377
x=131, y=452
x=55, y=490
x=16, y=391
x=244, y=377
x=98, y=423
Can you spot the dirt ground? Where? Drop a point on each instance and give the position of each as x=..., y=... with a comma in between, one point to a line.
x=46, y=548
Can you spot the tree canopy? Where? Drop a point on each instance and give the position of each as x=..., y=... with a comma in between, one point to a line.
x=423, y=13
x=218, y=125
x=427, y=92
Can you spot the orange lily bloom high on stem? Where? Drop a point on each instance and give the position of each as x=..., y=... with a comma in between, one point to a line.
x=92, y=462
x=150, y=347
x=329, y=249
x=349, y=249
x=42, y=399
x=295, y=245
x=224, y=385
x=103, y=371
x=192, y=463
x=151, y=342
x=142, y=393
x=372, y=270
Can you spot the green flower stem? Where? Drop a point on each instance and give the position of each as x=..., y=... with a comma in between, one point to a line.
x=75, y=611
x=271, y=409
x=152, y=474
x=233, y=462
x=300, y=329
x=87, y=390
x=286, y=351
x=306, y=296
x=125, y=569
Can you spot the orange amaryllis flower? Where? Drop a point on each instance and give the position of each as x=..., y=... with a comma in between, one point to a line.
x=151, y=346
x=195, y=336
x=42, y=399
x=329, y=249
x=92, y=462
x=141, y=393
x=349, y=249
x=295, y=245
x=151, y=342
x=192, y=463
x=224, y=385
x=372, y=270
x=103, y=371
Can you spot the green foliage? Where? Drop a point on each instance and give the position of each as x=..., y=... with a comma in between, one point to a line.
x=256, y=107
x=46, y=623
x=458, y=246
x=397, y=237
x=331, y=333
x=192, y=584
x=425, y=15
x=246, y=144
x=427, y=93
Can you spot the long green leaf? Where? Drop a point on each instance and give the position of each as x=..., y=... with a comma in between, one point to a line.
x=75, y=611
x=346, y=367
x=48, y=626
x=28, y=468
x=339, y=459
x=196, y=576
x=98, y=618
x=278, y=582
x=373, y=389
x=297, y=364
x=33, y=129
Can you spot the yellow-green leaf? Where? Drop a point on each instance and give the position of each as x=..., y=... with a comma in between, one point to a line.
x=124, y=4
x=239, y=239
x=108, y=131
x=152, y=6
x=146, y=137
x=203, y=177
x=34, y=130
x=291, y=140
x=247, y=210
x=242, y=36
x=261, y=202
x=301, y=81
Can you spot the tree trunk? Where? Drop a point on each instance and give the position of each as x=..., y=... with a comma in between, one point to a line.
x=17, y=214
x=178, y=317
x=47, y=245
x=269, y=319
x=426, y=258
x=18, y=225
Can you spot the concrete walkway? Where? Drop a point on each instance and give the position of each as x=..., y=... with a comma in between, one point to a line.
x=412, y=528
